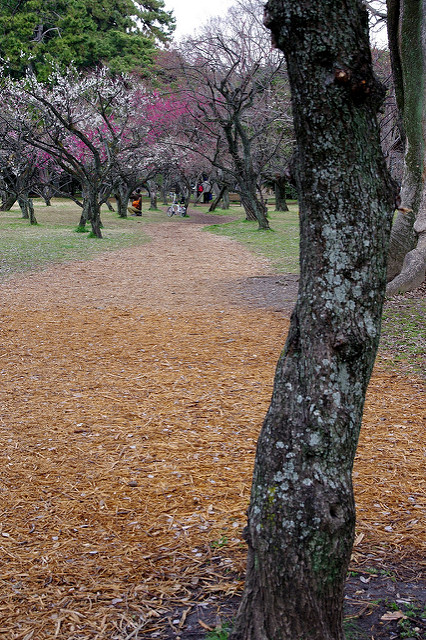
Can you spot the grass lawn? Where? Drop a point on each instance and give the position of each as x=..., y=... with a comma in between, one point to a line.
x=280, y=245
x=26, y=248
x=403, y=341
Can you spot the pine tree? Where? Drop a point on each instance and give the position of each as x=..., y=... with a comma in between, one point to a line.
x=121, y=34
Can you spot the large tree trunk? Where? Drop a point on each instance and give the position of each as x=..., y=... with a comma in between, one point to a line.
x=47, y=194
x=225, y=200
x=165, y=192
x=218, y=198
x=152, y=187
x=83, y=218
x=122, y=194
x=301, y=517
x=33, y=219
x=246, y=176
x=23, y=205
x=407, y=43
x=403, y=240
x=254, y=209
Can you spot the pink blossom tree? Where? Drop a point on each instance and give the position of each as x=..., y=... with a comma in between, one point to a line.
x=23, y=171
x=96, y=127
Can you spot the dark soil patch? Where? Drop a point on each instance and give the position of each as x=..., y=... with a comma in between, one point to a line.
x=380, y=604
x=277, y=292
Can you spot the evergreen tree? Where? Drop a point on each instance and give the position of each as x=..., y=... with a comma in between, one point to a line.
x=121, y=34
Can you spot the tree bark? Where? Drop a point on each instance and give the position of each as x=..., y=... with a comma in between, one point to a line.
x=23, y=205
x=27, y=207
x=83, y=219
x=47, y=195
x=165, y=193
x=122, y=194
x=245, y=173
x=108, y=204
x=225, y=200
x=8, y=200
x=151, y=185
x=91, y=208
x=218, y=198
x=403, y=240
x=254, y=209
x=407, y=43
x=33, y=219
x=301, y=518
x=279, y=188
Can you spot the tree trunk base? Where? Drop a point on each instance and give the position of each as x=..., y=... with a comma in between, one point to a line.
x=412, y=275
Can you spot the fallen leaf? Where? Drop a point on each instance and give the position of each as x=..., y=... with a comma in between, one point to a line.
x=205, y=626
x=359, y=539
x=393, y=615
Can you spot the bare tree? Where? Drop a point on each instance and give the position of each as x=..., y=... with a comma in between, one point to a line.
x=233, y=86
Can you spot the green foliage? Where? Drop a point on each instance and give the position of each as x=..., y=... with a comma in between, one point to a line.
x=118, y=33
x=218, y=544
x=220, y=633
x=412, y=622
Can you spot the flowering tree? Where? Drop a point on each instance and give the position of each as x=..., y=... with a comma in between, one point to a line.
x=152, y=131
x=92, y=125
x=23, y=170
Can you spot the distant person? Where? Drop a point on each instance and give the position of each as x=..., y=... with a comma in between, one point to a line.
x=136, y=208
x=207, y=188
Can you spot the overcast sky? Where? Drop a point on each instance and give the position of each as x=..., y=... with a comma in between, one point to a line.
x=191, y=14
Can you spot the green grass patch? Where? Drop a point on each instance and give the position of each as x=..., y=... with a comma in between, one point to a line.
x=280, y=245
x=220, y=633
x=24, y=247
x=403, y=339
x=352, y=630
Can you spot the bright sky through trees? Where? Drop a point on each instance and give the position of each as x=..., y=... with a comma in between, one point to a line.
x=191, y=14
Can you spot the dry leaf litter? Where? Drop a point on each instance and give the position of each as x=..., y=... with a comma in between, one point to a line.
x=133, y=391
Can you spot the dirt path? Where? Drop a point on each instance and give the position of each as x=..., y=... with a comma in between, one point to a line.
x=183, y=268
x=133, y=390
